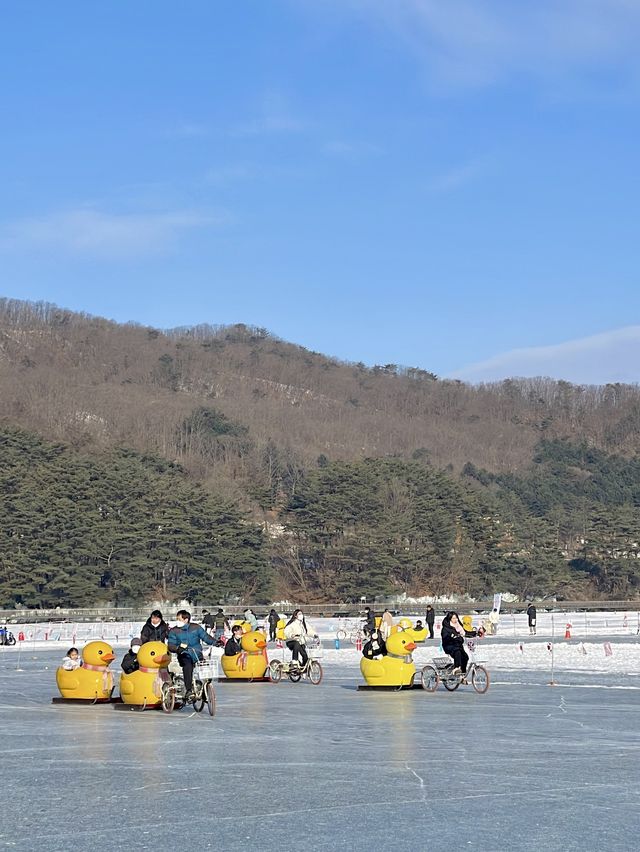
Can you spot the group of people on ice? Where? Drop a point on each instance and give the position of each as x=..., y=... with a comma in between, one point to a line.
x=453, y=635
x=185, y=639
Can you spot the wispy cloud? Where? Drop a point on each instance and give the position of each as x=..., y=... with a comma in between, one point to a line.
x=231, y=173
x=613, y=356
x=91, y=232
x=274, y=117
x=189, y=130
x=457, y=176
x=349, y=150
x=475, y=43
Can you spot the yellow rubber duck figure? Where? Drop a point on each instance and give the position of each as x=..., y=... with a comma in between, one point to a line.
x=396, y=668
x=92, y=681
x=403, y=624
x=417, y=634
x=251, y=662
x=144, y=686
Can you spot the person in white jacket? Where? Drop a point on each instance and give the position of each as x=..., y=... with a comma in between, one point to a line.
x=295, y=634
x=72, y=660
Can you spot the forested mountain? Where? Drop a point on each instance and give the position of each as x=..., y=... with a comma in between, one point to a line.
x=283, y=472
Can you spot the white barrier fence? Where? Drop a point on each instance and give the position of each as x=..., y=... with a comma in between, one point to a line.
x=580, y=625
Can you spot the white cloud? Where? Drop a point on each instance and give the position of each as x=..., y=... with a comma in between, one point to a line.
x=350, y=150
x=231, y=173
x=275, y=117
x=613, y=356
x=91, y=232
x=457, y=176
x=189, y=130
x=474, y=43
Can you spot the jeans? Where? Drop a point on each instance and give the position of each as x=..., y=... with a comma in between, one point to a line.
x=187, y=662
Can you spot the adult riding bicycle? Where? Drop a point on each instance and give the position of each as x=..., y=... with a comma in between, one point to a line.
x=295, y=670
x=174, y=691
x=442, y=670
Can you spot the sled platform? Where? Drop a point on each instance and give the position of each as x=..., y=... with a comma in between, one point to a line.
x=137, y=708
x=87, y=702
x=365, y=686
x=243, y=680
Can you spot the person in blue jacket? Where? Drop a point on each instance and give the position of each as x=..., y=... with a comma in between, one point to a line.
x=184, y=640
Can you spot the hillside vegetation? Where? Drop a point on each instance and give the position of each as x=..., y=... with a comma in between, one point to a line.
x=284, y=472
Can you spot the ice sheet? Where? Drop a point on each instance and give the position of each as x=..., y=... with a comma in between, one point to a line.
x=291, y=767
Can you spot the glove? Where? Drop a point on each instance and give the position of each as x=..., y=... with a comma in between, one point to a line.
x=184, y=645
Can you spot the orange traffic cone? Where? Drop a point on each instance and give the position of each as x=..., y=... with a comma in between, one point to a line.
x=567, y=632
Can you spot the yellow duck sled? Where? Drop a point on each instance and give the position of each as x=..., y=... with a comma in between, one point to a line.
x=144, y=686
x=251, y=663
x=92, y=682
x=396, y=668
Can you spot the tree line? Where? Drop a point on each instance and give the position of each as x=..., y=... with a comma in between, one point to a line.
x=352, y=479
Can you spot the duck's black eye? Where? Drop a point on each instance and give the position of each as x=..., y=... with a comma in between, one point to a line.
x=153, y=653
x=100, y=652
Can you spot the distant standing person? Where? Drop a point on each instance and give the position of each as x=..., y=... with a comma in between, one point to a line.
x=220, y=624
x=155, y=628
x=369, y=621
x=208, y=620
x=430, y=618
x=273, y=620
x=494, y=620
x=386, y=624
x=531, y=614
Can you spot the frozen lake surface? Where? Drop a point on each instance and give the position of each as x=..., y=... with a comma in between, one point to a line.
x=291, y=767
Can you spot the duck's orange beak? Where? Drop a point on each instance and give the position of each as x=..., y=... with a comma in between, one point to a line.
x=261, y=644
x=410, y=646
x=164, y=660
x=108, y=658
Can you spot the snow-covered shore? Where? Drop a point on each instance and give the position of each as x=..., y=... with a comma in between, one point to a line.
x=600, y=643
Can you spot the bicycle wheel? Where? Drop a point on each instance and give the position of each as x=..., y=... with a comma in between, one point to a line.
x=200, y=699
x=341, y=635
x=295, y=673
x=275, y=671
x=429, y=678
x=480, y=679
x=315, y=672
x=210, y=696
x=355, y=636
x=168, y=699
x=450, y=681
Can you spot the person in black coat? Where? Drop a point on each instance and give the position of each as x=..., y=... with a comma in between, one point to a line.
x=453, y=636
x=532, y=614
x=369, y=621
x=430, y=619
x=273, y=619
x=375, y=647
x=155, y=628
x=232, y=645
x=130, y=662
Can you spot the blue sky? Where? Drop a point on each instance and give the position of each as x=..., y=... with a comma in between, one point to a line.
x=453, y=186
